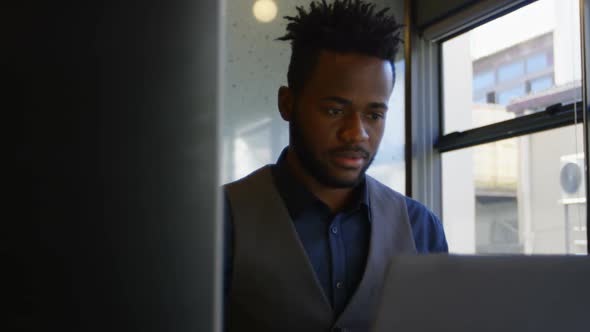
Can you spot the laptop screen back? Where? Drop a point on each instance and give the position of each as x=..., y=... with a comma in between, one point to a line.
x=486, y=293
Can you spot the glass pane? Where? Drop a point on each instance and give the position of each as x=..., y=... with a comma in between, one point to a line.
x=536, y=62
x=481, y=100
x=256, y=65
x=541, y=84
x=483, y=80
x=505, y=97
x=523, y=195
x=510, y=71
x=533, y=53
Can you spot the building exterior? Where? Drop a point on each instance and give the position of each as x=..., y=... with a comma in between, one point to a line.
x=519, y=203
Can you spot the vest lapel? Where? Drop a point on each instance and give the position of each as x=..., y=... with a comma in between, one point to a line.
x=271, y=217
x=391, y=234
x=295, y=256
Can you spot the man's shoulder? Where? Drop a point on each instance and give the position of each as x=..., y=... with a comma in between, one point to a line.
x=376, y=185
x=427, y=229
x=249, y=179
x=415, y=208
x=247, y=190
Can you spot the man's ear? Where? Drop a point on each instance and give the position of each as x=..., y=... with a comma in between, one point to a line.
x=286, y=101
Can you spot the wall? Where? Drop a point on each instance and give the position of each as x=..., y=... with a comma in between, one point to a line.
x=458, y=191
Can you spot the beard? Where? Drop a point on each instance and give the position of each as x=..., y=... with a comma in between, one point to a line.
x=315, y=167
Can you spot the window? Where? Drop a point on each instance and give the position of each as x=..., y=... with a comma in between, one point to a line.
x=483, y=80
x=536, y=62
x=504, y=97
x=512, y=160
x=516, y=195
x=510, y=71
x=540, y=84
x=481, y=100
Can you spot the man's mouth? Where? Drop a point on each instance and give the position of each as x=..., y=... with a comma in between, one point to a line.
x=352, y=159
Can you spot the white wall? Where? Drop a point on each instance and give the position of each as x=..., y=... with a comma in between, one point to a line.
x=458, y=190
x=566, y=43
x=514, y=28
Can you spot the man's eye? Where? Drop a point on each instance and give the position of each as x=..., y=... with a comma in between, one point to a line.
x=334, y=111
x=376, y=116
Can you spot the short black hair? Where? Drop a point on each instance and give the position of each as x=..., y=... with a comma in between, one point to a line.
x=344, y=26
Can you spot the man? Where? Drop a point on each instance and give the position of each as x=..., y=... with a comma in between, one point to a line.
x=308, y=239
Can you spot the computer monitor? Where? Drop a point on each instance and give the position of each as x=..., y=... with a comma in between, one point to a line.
x=485, y=293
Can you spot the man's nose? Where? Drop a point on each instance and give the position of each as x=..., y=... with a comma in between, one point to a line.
x=353, y=128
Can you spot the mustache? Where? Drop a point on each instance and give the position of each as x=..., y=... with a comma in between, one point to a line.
x=354, y=151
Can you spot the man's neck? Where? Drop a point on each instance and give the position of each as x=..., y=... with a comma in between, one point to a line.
x=335, y=198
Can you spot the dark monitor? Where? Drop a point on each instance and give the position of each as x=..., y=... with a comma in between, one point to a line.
x=486, y=293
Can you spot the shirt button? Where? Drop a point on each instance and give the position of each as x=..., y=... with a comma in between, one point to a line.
x=334, y=230
x=339, y=284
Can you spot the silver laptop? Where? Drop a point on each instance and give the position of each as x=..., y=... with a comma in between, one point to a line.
x=486, y=293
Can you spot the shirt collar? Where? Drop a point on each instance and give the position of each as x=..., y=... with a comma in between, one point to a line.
x=297, y=198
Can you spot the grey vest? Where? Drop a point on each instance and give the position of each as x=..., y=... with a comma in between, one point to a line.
x=274, y=286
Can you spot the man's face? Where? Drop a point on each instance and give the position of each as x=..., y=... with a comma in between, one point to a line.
x=338, y=118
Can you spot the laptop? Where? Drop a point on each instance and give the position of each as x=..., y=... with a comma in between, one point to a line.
x=485, y=293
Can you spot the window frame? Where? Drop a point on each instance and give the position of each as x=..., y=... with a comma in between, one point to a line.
x=428, y=124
